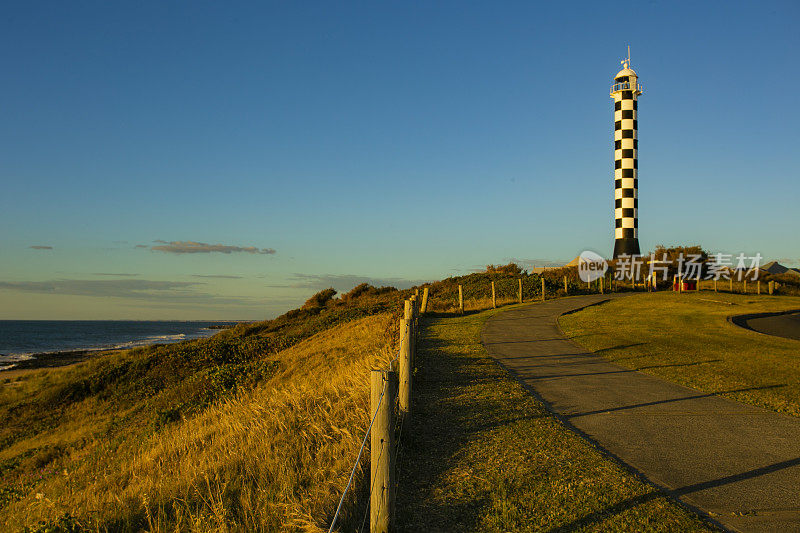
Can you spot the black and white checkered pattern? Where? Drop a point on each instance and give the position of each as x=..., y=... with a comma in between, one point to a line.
x=626, y=145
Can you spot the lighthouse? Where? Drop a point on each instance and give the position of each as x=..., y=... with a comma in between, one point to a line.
x=625, y=91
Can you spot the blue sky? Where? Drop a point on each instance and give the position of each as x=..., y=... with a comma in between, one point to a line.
x=392, y=142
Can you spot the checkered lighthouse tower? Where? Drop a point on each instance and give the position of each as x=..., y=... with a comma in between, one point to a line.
x=625, y=91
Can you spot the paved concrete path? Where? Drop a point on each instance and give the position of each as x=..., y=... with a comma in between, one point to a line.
x=738, y=463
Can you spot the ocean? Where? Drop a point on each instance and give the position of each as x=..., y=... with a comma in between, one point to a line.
x=19, y=339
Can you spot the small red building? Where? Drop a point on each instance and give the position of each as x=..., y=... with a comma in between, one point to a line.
x=688, y=285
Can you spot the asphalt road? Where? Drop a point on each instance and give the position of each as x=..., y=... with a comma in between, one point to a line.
x=737, y=463
x=779, y=324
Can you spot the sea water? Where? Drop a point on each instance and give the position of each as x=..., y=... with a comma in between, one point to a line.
x=20, y=339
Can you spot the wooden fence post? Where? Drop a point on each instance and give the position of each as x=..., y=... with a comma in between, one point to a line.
x=771, y=286
x=424, y=308
x=698, y=283
x=383, y=394
x=543, y=296
x=758, y=287
x=406, y=368
x=601, y=285
x=745, y=286
x=413, y=330
x=408, y=318
x=715, y=284
x=520, y=290
x=494, y=297
x=566, y=291
x=461, y=299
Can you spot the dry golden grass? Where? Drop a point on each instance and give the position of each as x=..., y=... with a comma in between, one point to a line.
x=272, y=458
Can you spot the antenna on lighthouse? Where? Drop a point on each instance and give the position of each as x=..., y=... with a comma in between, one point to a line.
x=627, y=61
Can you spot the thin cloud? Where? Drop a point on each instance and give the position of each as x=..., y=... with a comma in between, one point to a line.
x=217, y=276
x=526, y=264
x=114, y=274
x=80, y=287
x=192, y=247
x=531, y=263
x=40, y=247
x=256, y=309
x=176, y=292
x=141, y=246
x=345, y=282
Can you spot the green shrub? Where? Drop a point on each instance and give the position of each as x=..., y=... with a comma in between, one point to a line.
x=66, y=523
x=9, y=495
x=320, y=299
x=164, y=417
x=512, y=269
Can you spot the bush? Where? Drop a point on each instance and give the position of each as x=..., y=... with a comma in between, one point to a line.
x=320, y=299
x=9, y=495
x=512, y=269
x=65, y=524
x=358, y=290
x=786, y=278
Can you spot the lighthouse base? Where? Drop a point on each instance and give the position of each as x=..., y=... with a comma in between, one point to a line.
x=629, y=246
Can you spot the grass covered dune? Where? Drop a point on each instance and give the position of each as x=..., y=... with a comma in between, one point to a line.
x=255, y=429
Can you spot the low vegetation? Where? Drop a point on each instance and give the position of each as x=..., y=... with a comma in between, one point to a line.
x=477, y=287
x=685, y=338
x=789, y=283
x=672, y=260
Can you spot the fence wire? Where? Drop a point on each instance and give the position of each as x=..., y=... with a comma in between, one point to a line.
x=361, y=451
x=369, y=499
x=399, y=440
x=358, y=457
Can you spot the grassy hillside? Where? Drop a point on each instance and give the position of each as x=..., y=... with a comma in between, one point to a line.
x=254, y=429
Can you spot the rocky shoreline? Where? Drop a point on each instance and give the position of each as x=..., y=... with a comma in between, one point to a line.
x=53, y=359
